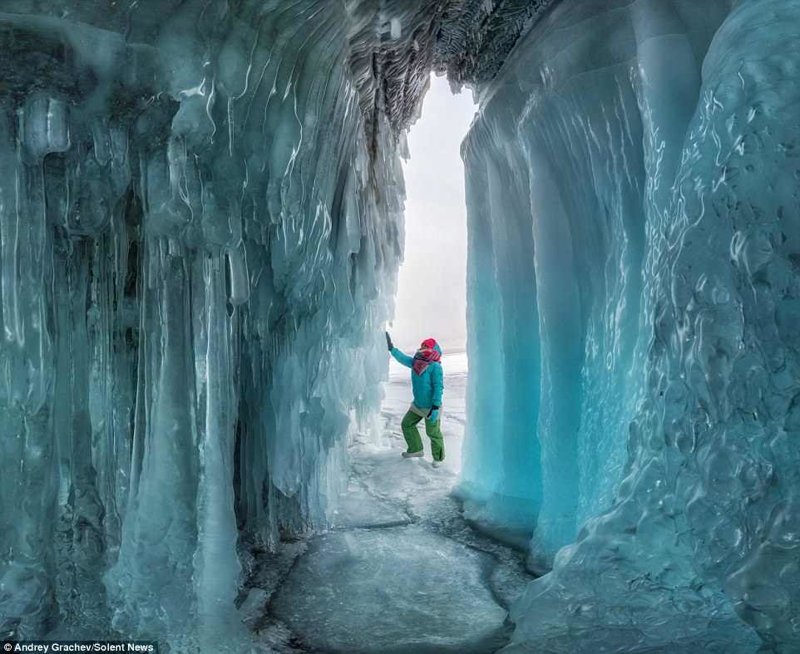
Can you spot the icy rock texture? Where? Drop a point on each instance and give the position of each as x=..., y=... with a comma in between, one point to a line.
x=476, y=36
x=199, y=240
x=633, y=195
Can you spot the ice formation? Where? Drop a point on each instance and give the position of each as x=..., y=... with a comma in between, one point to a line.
x=200, y=226
x=633, y=223
x=196, y=269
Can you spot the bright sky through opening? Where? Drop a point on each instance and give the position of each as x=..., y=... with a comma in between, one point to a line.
x=431, y=298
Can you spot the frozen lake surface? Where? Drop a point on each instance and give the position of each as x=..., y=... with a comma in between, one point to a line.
x=400, y=570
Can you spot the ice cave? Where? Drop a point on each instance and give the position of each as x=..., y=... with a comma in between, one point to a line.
x=201, y=226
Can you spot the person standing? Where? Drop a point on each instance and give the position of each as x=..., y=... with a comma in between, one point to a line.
x=427, y=385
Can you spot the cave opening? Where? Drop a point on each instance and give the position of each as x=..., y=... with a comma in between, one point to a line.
x=431, y=293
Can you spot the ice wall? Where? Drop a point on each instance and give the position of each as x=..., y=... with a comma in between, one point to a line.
x=199, y=235
x=200, y=227
x=633, y=293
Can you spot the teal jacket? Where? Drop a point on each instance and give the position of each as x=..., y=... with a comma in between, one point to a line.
x=427, y=387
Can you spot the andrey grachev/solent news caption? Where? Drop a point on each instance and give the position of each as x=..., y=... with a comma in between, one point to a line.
x=72, y=646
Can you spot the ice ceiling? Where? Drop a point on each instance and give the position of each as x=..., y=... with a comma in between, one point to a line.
x=200, y=228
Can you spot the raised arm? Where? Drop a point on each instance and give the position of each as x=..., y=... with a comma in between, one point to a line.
x=402, y=358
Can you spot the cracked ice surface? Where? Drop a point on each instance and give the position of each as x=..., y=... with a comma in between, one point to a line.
x=391, y=590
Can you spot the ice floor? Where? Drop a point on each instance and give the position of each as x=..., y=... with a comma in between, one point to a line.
x=400, y=571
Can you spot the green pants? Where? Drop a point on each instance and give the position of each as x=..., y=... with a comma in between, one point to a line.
x=433, y=429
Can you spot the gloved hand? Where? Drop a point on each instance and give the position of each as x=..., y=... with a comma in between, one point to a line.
x=433, y=414
x=389, y=343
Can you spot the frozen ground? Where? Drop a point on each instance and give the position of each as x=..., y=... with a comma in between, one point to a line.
x=400, y=571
